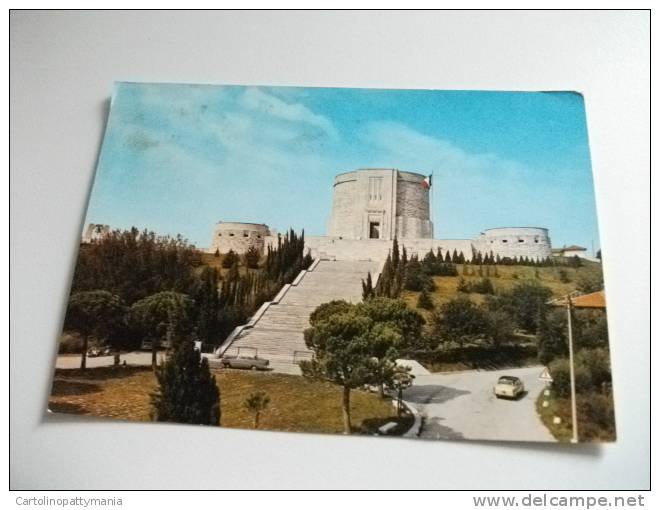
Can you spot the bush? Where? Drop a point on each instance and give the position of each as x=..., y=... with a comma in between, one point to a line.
x=597, y=361
x=416, y=279
x=590, y=282
x=499, y=327
x=561, y=384
x=424, y=301
x=483, y=286
x=477, y=355
x=596, y=416
x=459, y=320
x=592, y=330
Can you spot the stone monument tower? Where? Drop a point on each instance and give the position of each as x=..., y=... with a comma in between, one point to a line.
x=380, y=203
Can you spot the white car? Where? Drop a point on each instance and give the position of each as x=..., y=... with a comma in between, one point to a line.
x=508, y=386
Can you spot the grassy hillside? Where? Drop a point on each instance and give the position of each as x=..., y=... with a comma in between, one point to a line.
x=504, y=278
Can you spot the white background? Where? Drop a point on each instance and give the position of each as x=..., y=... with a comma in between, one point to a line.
x=63, y=65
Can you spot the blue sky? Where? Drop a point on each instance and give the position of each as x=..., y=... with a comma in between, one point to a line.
x=179, y=158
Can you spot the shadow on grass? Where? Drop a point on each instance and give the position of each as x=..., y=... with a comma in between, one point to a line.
x=99, y=373
x=67, y=388
x=66, y=407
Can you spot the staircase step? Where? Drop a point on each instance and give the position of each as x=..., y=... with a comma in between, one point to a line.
x=278, y=334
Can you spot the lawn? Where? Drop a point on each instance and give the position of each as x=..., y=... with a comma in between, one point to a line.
x=297, y=404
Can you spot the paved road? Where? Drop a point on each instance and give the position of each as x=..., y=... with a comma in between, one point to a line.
x=461, y=405
x=132, y=358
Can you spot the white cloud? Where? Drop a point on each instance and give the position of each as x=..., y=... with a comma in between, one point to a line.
x=255, y=99
x=403, y=147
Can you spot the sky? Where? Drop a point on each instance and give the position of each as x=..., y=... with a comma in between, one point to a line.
x=176, y=159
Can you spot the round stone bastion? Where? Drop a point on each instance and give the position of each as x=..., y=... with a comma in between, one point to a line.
x=530, y=242
x=238, y=237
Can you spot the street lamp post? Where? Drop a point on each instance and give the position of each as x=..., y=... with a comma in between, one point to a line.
x=574, y=439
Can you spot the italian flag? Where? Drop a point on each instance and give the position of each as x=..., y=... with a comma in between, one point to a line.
x=427, y=181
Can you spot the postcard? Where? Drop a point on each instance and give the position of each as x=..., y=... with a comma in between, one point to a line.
x=396, y=263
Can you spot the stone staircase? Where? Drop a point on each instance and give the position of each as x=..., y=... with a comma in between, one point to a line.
x=276, y=330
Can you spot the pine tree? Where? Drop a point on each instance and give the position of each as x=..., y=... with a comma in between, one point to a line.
x=454, y=257
x=187, y=391
x=461, y=258
x=447, y=257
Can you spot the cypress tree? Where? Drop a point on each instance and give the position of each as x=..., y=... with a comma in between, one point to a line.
x=367, y=288
x=454, y=257
x=187, y=391
x=395, y=254
x=384, y=285
x=447, y=257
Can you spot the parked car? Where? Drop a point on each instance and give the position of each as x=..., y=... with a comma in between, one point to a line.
x=243, y=361
x=94, y=352
x=509, y=386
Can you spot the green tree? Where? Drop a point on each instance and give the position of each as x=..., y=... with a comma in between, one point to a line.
x=187, y=391
x=252, y=256
x=524, y=301
x=325, y=310
x=230, y=259
x=346, y=345
x=367, y=288
x=401, y=380
x=394, y=312
x=207, y=305
x=416, y=279
x=424, y=301
x=97, y=313
x=458, y=321
x=165, y=316
x=498, y=327
x=385, y=287
x=133, y=265
x=551, y=335
x=256, y=404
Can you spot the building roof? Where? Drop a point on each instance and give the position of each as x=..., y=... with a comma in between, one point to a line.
x=573, y=247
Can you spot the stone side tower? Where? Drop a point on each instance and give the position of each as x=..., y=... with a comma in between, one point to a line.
x=379, y=203
x=239, y=237
x=531, y=242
